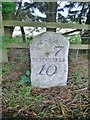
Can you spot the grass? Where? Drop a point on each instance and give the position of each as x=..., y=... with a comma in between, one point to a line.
x=16, y=40
x=19, y=98
x=7, y=40
x=6, y=69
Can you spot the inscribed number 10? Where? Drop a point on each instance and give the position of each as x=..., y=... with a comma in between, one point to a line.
x=42, y=70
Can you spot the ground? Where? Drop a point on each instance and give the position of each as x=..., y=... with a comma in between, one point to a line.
x=56, y=103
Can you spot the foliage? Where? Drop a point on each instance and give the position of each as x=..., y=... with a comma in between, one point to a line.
x=79, y=81
x=25, y=78
x=6, y=69
x=76, y=12
x=17, y=40
x=8, y=9
x=6, y=40
x=75, y=39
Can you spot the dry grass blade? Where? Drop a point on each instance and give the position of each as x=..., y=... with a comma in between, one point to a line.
x=63, y=109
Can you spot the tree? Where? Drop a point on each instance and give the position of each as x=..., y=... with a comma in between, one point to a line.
x=50, y=10
x=86, y=35
x=8, y=12
x=51, y=14
x=74, y=15
x=81, y=15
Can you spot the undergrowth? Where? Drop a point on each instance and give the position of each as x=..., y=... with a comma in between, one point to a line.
x=19, y=99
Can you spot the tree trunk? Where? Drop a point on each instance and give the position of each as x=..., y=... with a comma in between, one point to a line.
x=87, y=32
x=23, y=34
x=18, y=16
x=51, y=14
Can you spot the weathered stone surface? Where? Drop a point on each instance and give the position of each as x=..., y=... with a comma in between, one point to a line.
x=49, y=60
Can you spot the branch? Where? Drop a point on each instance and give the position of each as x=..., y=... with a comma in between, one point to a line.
x=19, y=7
x=71, y=32
x=18, y=16
x=81, y=13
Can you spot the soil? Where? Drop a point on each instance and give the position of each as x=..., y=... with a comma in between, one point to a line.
x=19, y=63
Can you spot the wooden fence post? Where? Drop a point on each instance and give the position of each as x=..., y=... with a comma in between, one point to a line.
x=3, y=53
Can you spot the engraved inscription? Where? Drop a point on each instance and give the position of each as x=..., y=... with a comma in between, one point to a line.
x=41, y=70
x=53, y=72
x=49, y=60
x=58, y=48
x=50, y=70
